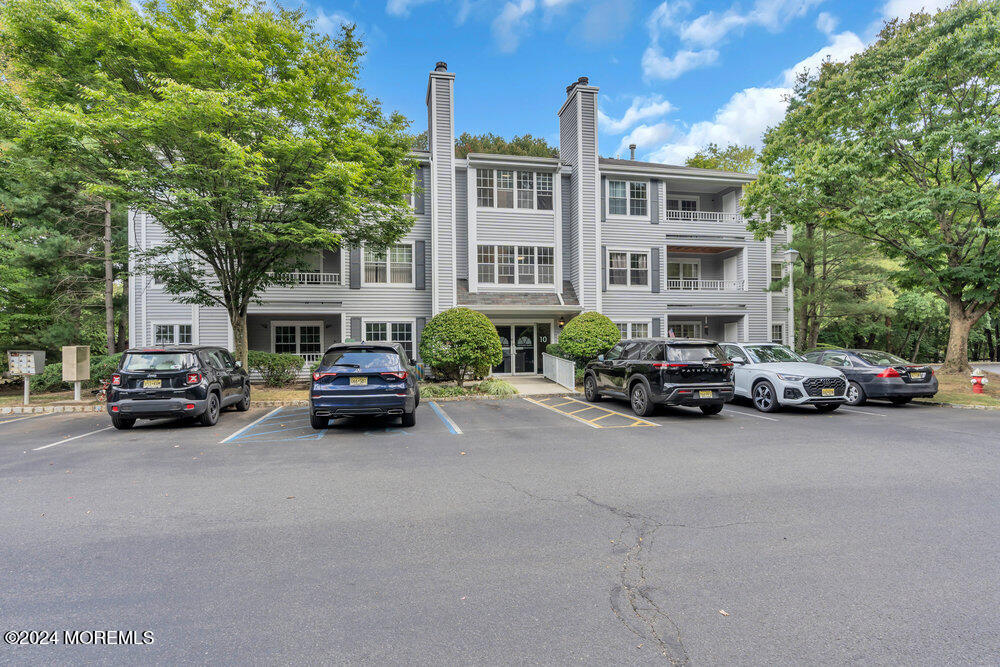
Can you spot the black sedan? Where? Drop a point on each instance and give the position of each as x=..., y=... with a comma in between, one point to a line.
x=878, y=375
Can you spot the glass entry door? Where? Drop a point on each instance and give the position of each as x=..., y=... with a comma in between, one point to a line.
x=518, y=344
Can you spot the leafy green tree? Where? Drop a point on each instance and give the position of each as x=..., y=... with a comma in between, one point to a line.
x=733, y=157
x=899, y=147
x=458, y=343
x=490, y=143
x=588, y=335
x=238, y=127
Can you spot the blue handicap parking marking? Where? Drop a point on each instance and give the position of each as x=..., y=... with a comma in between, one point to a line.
x=279, y=425
x=388, y=430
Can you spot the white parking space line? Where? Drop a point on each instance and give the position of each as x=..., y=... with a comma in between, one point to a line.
x=17, y=419
x=250, y=425
x=863, y=412
x=749, y=414
x=75, y=437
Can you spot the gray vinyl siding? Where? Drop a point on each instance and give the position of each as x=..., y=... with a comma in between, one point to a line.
x=462, y=223
x=513, y=227
x=571, y=265
x=588, y=204
x=442, y=147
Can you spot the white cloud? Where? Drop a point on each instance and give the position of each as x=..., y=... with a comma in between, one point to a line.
x=841, y=47
x=402, y=7
x=710, y=28
x=644, y=136
x=903, y=8
x=510, y=25
x=741, y=120
x=642, y=108
x=826, y=23
x=330, y=23
x=656, y=65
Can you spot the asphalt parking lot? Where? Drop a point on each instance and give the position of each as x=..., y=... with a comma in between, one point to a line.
x=509, y=531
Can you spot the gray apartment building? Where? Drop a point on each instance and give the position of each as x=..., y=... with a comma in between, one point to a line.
x=530, y=242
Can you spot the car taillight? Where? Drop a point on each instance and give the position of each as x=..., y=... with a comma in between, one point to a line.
x=726, y=364
x=116, y=379
x=317, y=375
x=193, y=378
x=889, y=373
x=396, y=375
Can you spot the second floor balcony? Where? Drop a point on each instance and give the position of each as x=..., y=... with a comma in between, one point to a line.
x=309, y=278
x=732, y=285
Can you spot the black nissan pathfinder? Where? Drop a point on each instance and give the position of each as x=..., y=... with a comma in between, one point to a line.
x=662, y=371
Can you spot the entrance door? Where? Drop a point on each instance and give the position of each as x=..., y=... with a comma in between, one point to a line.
x=505, y=340
x=517, y=341
x=732, y=333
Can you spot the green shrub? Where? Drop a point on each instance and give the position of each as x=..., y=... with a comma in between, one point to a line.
x=102, y=367
x=588, y=335
x=496, y=387
x=436, y=390
x=556, y=350
x=276, y=370
x=50, y=379
x=460, y=343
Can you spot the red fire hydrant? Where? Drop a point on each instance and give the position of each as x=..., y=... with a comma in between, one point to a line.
x=978, y=380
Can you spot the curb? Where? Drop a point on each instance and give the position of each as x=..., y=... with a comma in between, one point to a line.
x=436, y=399
x=45, y=409
x=962, y=406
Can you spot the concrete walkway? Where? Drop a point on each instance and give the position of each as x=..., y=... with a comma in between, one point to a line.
x=535, y=385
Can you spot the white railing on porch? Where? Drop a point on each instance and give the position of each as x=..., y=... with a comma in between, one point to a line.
x=706, y=285
x=702, y=216
x=308, y=278
x=559, y=370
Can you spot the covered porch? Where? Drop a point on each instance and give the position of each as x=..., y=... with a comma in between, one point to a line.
x=716, y=267
x=305, y=335
x=721, y=327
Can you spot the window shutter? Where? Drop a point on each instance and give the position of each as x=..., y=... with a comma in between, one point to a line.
x=418, y=196
x=419, y=265
x=654, y=202
x=604, y=268
x=656, y=327
x=418, y=335
x=356, y=328
x=654, y=269
x=355, y=268
x=604, y=201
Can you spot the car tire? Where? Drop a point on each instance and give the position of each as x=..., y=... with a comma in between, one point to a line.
x=855, y=394
x=211, y=414
x=641, y=405
x=713, y=409
x=319, y=423
x=122, y=423
x=590, y=389
x=244, y=403
x=900, y=401
x=764, y=397
x=409, y=418
x=827, y=407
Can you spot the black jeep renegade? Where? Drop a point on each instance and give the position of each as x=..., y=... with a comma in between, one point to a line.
x=662, y=371
x=176, y=381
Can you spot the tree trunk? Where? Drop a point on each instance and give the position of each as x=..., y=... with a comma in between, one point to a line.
x=920, y=338
x=813, y=333
x=238, y=321
x=990, y=349
x=960, y=323
x=109, y=281
x=121, y=342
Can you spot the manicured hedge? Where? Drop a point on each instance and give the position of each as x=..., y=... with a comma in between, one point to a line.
x=276, y=370
x=588, y=335
x=460, y=343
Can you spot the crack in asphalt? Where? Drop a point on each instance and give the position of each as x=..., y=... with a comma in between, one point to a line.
x=524, y=491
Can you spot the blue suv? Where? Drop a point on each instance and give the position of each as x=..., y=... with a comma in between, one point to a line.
x=356, y=379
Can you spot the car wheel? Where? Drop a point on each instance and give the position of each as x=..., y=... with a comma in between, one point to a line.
x=410, y=418
x=900, y=401
x=713, y=409
x=764, y=398
x=827, y=407
x=590, y=389
x=318, y=422
x=244, y=403
x=855, y=394
x=211, y=414
x=122, y=423
x=641, y=405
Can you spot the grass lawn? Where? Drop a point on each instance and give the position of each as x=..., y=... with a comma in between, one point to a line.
x=17, y=398
x=958, y=389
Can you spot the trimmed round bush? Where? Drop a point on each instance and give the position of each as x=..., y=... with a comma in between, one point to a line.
x=460, y=343
x=276, y=370
x=587, y=335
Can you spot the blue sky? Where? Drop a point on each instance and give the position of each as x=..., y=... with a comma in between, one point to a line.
x=673, y=75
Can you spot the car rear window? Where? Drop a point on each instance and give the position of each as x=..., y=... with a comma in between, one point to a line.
x=881, y=358
x=158, y=361
x=682, y=353
x=363, y=358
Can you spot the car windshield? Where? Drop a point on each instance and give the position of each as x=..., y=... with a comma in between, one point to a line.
x=680, y=353
x=363, y=359
x=874, y=358
x=769, y=354
x=158, y=361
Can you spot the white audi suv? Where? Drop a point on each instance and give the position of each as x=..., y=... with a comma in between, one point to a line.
x=771, y=376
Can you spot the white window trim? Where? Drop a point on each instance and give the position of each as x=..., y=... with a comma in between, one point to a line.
x=668, y=197
x=388, y=268
x=273, y=324
x=648, y=287
x=517, y=272
x=628, y=199
x=770, y=333
x=630, y=323
x=696, y=261
x=412, y=321
x=698, y=323
x=770, y=270
x=174, y=324
x=534, y=210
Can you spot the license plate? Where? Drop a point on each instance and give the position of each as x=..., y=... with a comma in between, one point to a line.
x=359, y=381
x=828, y=391
x=706, y=393
x=916, y=376
x=152, y=384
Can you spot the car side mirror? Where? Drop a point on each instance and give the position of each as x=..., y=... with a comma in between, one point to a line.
x=239, y=364
x=739, y=361
x=600, y=357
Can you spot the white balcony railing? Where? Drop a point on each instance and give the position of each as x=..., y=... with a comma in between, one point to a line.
x=706, y=285
x=309, y=278
x=702, y=216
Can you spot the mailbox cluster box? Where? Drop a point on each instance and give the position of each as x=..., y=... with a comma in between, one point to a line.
x=76, y=363
x=25, y=362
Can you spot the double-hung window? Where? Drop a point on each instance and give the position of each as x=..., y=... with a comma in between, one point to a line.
x=633, y=329
x=526, y=189
x=628, y=269
x=505, y=188
x=515, y=265
x=543, y=183
x=301, y=338
x=617, y=198
x=172, y=334
x=683, y=274
x=776, y=271
x=391, y=266
x=637, y=198
x=628, y=198
x=484, y=187
x=777, y=332
x=391, y=332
